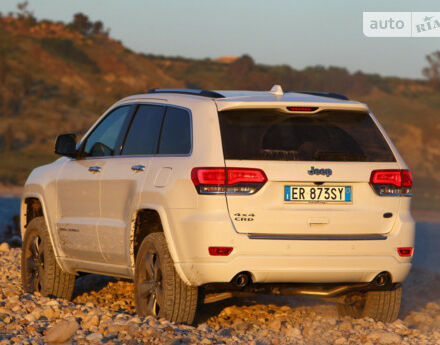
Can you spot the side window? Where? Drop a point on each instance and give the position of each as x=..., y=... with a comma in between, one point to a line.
x=105, y=140
x=176, y=132
x=144, y=131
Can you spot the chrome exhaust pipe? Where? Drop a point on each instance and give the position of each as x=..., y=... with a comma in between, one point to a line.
x=383, y=279
x=242, y=279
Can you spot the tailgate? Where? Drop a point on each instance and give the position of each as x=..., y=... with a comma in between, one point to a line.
x=318, y=168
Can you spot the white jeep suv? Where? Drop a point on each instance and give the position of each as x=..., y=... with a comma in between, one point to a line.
x=204, y=195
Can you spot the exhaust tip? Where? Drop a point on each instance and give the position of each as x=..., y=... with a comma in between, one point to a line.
x=242, y=279
x=383, y=279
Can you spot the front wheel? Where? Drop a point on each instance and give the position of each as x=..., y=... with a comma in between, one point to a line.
x=379, y=305
x=158, y=289
x=39, y=270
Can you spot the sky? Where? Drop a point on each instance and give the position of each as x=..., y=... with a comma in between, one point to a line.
x=297, y=33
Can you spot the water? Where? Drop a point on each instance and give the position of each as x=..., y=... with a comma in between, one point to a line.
x=426, y=253
x=9, y=207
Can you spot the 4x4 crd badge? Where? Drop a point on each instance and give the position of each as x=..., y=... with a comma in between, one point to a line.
x=314, y=171
x=244, y=217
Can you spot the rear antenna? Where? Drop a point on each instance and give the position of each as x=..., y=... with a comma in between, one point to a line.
x=276, y=90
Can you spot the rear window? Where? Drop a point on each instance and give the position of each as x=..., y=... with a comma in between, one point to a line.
x=176, y=132
x=144, y=131
x=260, y=134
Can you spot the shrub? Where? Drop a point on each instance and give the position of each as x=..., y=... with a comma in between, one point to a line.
x=67, y=50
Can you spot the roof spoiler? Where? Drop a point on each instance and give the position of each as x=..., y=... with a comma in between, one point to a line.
x=324, y=94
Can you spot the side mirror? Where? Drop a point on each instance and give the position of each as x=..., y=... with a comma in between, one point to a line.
x=66, y=145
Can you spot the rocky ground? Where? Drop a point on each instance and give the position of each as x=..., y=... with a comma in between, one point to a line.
x=103, y=312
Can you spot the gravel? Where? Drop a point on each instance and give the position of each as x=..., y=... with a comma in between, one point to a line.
x=103, y=312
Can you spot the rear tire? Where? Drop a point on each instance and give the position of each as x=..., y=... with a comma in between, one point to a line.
x=379, y=305
x=158, y=289
x=39, y=269
x=383, y=305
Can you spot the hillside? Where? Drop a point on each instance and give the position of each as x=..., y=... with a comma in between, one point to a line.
x=55, y=78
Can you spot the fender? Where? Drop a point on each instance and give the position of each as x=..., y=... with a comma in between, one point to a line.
x=40, y=197
x=167, y=232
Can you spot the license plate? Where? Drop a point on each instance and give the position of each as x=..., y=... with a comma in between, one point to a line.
x=318, y=193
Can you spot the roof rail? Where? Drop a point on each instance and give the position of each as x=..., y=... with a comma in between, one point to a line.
x=324, y=94
x=194, y=92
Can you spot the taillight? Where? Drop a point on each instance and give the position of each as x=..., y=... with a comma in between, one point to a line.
x=405, y=252
x=219, y=251
x=228, y=180
x=391, y=182
x=305, y=109
x=407, y=180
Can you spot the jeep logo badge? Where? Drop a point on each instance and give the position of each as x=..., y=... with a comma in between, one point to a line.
x=314, y=171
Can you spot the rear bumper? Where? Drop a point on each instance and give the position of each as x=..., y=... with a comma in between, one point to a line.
x=298, y=269
x=291, y=260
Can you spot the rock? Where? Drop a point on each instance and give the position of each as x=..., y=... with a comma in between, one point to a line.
x=308, y=332
x=340, y=341
x=228, y=311
x=203, y=327
x=149, y=332
x=345, y=326
x=418, y=319
x=432, y=306
x=383, y=337
x=50, y=313
x=52, y=303
x=240, y=325
x=4, y=247
x=36, y=313
x=226, y=332
x=436, y=324
x=180, y=341
x=275, y=341
x=30, y=317
x=331, y=321
x=275, y=325
x=94, y=337
x=91, y=320
x=62, y=331
x=292, y=332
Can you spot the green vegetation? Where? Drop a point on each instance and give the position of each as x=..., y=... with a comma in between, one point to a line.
x=57, y=78
x=67, y=50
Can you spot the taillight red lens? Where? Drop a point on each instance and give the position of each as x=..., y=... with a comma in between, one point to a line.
x=228, y=180
x=210, y=176
x=393, y=177
x=241, y=175
x=302, y=108
x=392, y=182
x=407, y=180
x=405, y=252
x=220, y=251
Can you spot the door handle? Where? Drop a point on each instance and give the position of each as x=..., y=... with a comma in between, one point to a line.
x=319, y=221
x=138, y=168
x=95, y=169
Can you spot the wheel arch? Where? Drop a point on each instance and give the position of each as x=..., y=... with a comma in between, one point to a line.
x=137, y=234
x=34, y=203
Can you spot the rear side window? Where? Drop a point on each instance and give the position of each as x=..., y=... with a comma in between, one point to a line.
x=144, y=132
x=176, y=132
x=259, y=134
